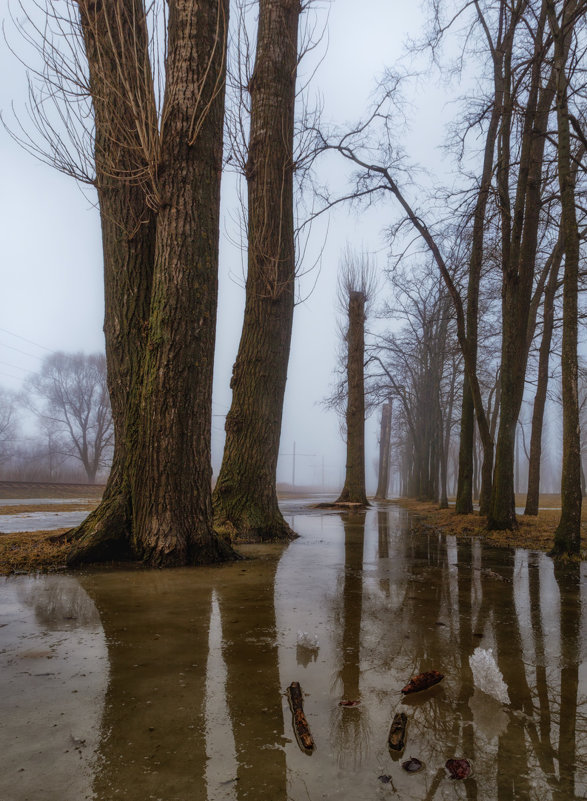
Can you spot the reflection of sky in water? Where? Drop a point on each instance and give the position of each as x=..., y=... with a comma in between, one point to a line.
x=199, y=660
x=40, y=521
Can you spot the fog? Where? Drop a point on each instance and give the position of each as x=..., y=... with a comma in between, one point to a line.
x=52, y=296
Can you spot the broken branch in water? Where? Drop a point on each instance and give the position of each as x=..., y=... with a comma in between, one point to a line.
x=300, y=724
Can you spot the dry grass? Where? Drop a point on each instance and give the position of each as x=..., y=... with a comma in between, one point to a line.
x=536, y=533
x=33, y=551
x=48, y=507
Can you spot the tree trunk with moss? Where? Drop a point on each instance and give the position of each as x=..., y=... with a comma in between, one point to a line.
x=160, y=277
x=245, y=496
x=354, y=485
x=128, y=242
x=172, y=501
x=567, y=539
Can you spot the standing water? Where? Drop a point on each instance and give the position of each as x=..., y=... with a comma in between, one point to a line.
x=170, y=685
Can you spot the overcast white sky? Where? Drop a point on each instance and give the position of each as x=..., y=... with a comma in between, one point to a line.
x=52, y=296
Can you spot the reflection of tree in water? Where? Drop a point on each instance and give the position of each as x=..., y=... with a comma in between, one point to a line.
x=153, y=742
x=58, y=602
x=350, y=726
x=253, y=690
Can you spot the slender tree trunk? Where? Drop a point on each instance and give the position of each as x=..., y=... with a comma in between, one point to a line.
x=245, y=496
x=464, y=499
x=567, y=539
x=533, y=495
x=519, y=246
x=354, y=485
x=172, y=502
x=384, y=452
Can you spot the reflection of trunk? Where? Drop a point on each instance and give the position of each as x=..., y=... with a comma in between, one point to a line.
x=253, y=691
x=541, y=677
x=384, y=452
x=349, y=735
x=245, y=497
x=157, y=635
x=532, y=497
x=354, y=485
x=568, y=578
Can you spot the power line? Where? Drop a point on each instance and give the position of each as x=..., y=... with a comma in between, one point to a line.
x=24, y=339
x=15, y=367
x=18, y=350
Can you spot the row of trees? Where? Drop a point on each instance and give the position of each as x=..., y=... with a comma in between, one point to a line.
x=151, y=83
x=515, y=223
x=130, y=98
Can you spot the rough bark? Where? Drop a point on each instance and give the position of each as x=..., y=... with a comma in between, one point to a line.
x=384, y=452
x=354, y=485
x=245, y=496
x=128, y=241
x=567, y=539
x=172, y=501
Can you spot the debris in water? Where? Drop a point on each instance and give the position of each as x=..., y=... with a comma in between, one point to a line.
x=396, y=738
x=458, y=768
x=422, y=682
x=487, y=676
x=300, y=724
x=385, y=779
x=412, y=765
x=349, y=704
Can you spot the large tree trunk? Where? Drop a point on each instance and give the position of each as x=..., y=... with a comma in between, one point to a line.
x=567, y=539
x=533, y=494
x=172, y=501
x=384, y=452
x=245, y=496
x=354, y=485
x=128, y=241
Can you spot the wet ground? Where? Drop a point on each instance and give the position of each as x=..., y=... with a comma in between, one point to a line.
x=169, y=685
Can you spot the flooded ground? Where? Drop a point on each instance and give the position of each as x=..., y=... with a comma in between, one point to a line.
x=169, y=685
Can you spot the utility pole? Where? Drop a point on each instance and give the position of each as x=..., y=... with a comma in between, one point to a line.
x=293, y=466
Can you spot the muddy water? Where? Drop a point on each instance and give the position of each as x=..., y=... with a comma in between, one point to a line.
x=169, y=685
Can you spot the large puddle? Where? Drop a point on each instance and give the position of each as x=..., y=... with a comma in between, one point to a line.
x=169, y=685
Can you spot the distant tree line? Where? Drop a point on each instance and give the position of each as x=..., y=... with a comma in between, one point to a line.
x=506, y=249
x=59, y=427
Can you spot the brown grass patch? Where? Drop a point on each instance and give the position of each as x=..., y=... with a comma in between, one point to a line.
x=534, y=533
x=33, y=551
x=48, y=507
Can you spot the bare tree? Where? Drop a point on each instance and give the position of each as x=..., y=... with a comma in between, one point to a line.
x=8, y=424
x=567, y=539
x=356, y=288
x=69, y=395
x=143, y=106
x=245, y=496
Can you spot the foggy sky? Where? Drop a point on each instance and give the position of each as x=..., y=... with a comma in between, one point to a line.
x=52, y=293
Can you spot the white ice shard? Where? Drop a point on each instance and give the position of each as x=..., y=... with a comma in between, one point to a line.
x=309, y=641
x=487, y=676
